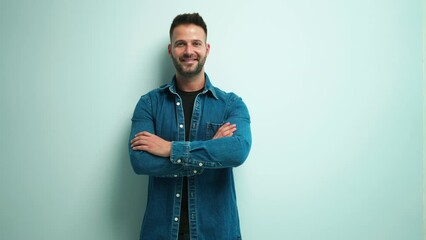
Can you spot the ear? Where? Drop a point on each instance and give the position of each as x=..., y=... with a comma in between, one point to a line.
x=169, y=49
x=207, y=49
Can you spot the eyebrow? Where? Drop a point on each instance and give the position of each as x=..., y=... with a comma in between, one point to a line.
x=184, y=41
x=198, y=43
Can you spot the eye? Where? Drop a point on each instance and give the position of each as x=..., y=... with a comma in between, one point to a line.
x=179, y=44
x=197, y=44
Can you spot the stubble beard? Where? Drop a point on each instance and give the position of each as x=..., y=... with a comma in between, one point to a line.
x=189, y=73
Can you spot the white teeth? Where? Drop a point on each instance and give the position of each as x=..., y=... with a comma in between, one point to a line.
x=185, y=60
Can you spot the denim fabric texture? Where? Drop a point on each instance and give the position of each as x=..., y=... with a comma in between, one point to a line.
x=207, y=163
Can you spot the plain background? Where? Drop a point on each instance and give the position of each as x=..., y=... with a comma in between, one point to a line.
x=335, y=90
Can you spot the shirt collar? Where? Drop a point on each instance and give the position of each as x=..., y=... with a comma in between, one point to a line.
x=208, y=87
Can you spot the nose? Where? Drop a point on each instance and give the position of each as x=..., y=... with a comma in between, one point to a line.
x=189, y=49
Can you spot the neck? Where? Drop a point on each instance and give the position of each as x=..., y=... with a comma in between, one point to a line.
x=190, y=84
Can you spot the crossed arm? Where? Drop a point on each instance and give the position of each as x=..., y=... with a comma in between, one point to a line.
x=148, y=142
x=153, y=155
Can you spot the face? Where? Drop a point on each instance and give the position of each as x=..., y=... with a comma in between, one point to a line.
x=189, y=50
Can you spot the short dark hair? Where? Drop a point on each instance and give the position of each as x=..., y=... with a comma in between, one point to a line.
x=188, y=18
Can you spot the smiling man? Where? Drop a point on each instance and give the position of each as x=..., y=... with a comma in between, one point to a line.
x=188, y=136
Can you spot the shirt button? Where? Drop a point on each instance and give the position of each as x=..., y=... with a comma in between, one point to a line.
x=181, y=125
x=179, y=161
x=178, y=103
x=177, y=195
x=200, y=164
x=195, y=171
x=176, y=219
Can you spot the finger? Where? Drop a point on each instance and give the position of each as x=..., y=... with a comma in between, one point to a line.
x=137, y=138
x=225, y=130
x=224, y=125
x=138, y=134
x=231, y=127
x=228, y=129
x=134, y=144
x=222, y=131
x=134, y=139
x=141, y=148
x=144, y=133
x=229, y=132
x=139, y=143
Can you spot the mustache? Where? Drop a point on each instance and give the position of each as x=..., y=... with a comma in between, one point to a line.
x=189, y=56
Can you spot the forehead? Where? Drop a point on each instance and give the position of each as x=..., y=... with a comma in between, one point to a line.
x=188, y=32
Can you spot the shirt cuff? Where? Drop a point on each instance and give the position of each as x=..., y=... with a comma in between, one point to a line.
x=180, y=152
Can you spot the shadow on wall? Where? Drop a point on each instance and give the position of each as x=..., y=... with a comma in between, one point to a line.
x=129, y=193
x=167, y=70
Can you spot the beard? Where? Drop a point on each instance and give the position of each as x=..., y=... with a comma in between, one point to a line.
x=189, y=73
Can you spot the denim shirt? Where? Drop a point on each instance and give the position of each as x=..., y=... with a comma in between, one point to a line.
x=207, y=163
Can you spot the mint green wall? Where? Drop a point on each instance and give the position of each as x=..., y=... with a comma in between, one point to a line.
x=334, y=89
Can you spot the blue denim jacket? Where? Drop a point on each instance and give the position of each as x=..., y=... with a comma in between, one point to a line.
x=208, y=163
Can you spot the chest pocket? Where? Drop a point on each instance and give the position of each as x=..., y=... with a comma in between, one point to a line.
x=212, y=129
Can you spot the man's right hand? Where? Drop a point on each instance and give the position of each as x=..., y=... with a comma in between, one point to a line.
x=226, y=130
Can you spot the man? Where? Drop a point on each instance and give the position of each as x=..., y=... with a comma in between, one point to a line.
x=187, y=136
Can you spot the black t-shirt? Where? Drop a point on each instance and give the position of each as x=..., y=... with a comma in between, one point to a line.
x=188, y=99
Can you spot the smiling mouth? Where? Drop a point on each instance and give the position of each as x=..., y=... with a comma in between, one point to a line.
x=189, y=60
